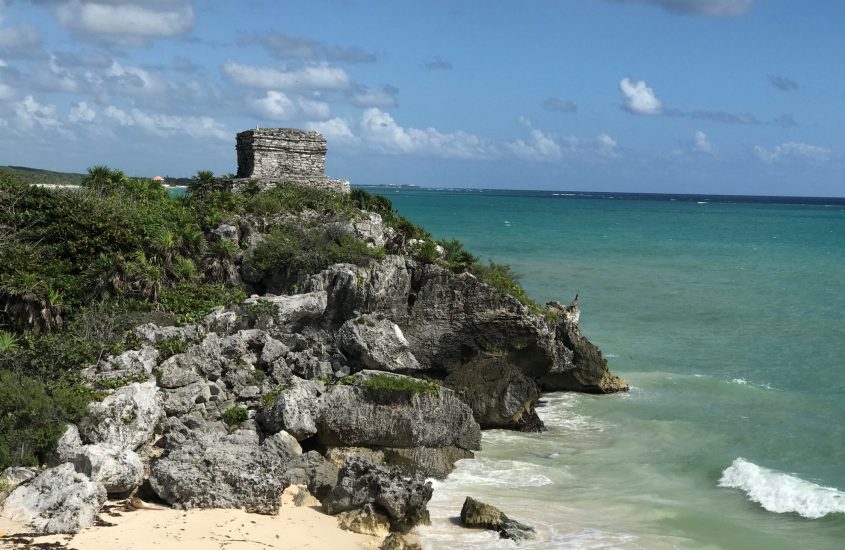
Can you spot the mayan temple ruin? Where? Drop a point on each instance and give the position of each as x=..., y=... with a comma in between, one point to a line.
x=279, y=155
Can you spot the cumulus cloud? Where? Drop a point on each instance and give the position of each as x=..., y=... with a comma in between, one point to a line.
x=277, y=105
x=282, y=46
x=6, y=93
x=639, y=98
x=792, y=151
x=382, y=96
x=437, y=64
x=313, y=77
x=712, y=8
x=557, y=105
x=82, y=113
x=782, y=83
x=169, y=125
x=31, y=114
x=129, y=22
x=538, y=147
x=606, y=143
x=19, y=38
x=334, y=130
x=701, y=143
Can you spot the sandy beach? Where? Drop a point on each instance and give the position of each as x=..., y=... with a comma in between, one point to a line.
x=157, y=528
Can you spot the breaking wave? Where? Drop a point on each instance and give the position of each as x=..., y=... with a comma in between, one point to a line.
x=782, y=493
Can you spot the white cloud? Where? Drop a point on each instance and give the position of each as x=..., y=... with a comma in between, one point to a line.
x=82, y=113
x=606, y=143
x=278, y=106
x=31, y=114
x=132, y=22
x=335, y=129
x=701, y=143
x=380, y=132
x=313, y=77
x=19, y=37
x=169, y=125
x=538, y=146
x=793, y=151
x=639, y=98
x=6, y=92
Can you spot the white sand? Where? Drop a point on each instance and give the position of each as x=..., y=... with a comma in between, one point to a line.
x=168, y=529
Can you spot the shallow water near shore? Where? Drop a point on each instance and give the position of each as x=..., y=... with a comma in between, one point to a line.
x=727, y=319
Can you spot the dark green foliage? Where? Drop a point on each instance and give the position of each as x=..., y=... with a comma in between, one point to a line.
x=170, y=347
x=501, y=277
x=235, y=415
x=190, y=302
x=400, y=384
x=33, y=414
x=426, y=251
x=202, y=184
x=292, y=249
x=456, y=257
x=35, y=175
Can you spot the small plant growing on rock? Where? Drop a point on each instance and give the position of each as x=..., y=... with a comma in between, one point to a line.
x=170, y=347
x=8, y=342
x=270, y=397
x=235, y=415
x=400, y=384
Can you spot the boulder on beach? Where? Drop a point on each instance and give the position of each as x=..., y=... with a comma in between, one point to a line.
x=476, y=514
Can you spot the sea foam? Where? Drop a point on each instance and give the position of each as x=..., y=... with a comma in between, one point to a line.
x=782, y=493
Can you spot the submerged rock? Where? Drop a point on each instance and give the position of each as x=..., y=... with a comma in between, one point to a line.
x=397, y=541
x=476, y=514
x=58, y=500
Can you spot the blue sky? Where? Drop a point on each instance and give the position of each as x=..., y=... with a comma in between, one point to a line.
x=718, y=96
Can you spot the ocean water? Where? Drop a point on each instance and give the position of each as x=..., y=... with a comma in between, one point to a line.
x=728, y=320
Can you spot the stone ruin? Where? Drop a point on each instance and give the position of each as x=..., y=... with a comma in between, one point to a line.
x=271, y=156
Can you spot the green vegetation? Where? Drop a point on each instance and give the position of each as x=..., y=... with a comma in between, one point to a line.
x=235, y=415
x=170, y=347
x=270, y=397
x=387, y=383
x=80, y=268
x=37, y=176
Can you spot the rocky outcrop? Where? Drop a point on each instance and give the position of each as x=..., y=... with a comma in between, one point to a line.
x=229, y=472
x=294, y=409
x=58, y=500
x=375, y=342
x=403, y=499
x=365, y=520
x=119, y=470
x=476, y=514
x=125, y=419
x=356, y=416
x=12, y=477
x=398, y=541
x=500, y=394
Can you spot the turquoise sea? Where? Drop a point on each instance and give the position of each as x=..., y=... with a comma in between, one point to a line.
x=726, y=316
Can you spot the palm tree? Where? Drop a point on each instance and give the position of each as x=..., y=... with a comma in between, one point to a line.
x=202, y=184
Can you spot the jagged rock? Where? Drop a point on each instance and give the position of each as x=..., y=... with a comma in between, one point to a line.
x=155, y=334
x=450, y=320
x=339, y=455
x=180, y=401
x=499, y=394
x=226, y=472
x=397, y=541
x=221, y=320
x=12, y=477
x=67, y=447
x=376, y=343
x=402, y=498
x=589, y=372
x=431, y=462
x=125, y=419
x=119, y=470
x=283, y=444
x=272, y=351
x=177, y=371
x=132, y=364
x=476, y=514
x=58, y=500
x=365, y=520
x=312, y=470
x=294, y=310
x=294, y=410
x=227, y=232
x=354, y=416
